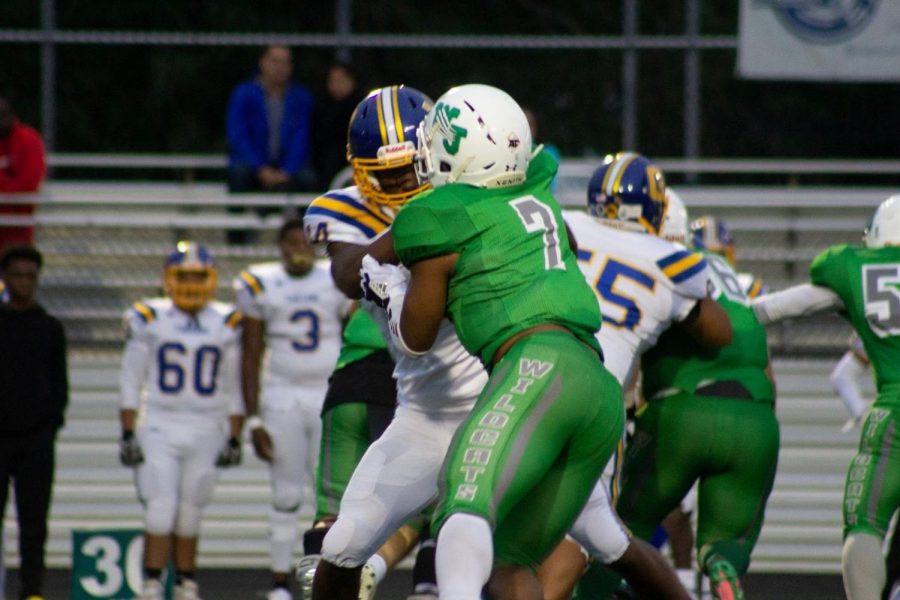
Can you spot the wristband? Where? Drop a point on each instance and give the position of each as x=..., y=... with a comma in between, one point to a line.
x=254, y=422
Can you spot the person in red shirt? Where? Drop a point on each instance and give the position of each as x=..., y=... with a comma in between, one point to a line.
x=22, y=168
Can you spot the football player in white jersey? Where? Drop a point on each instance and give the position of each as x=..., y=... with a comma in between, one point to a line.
x=180, y=411
x=293, y=316
x=644, y=284
x=397, y=476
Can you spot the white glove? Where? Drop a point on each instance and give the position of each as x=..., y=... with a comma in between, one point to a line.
x=852, y=423
x=381, y=282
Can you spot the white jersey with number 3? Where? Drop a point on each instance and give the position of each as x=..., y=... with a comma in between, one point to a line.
x=643, y=283
x=303, y=318
x=447, y=379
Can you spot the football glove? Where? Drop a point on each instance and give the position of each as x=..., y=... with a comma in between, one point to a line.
x=230, y=455
x=130, y=453
x=379, y=282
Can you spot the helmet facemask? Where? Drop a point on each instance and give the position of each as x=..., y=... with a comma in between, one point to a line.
x=190, y=276
x=389, y=158
x=190, y=287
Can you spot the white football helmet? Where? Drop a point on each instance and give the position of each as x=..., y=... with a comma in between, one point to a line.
x=676, y=225
x=475, y=134
x=884, y=228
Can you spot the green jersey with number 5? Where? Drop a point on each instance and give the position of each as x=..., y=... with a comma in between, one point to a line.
x=868, y=282
x=515, y=267
x=679, y=364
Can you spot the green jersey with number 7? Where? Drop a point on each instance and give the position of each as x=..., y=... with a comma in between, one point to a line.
x=499, y=288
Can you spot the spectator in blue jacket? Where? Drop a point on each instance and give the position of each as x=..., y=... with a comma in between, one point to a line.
x=268, y=127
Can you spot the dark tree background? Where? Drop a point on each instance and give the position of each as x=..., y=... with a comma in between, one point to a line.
x=132, y=98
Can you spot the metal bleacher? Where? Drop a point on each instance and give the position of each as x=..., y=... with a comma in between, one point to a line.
x=104, y=243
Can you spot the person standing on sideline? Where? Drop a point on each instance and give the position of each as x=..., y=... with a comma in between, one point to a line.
x=34, y=392
x=293, y=315
x=179, y=394
x=22, y=168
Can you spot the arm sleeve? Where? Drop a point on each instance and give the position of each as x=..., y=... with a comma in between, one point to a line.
x=240, y=107
x=135, y=363
x=231, y=375
x=27, y=159
x=799, y=301
x=295, y=130
x=420, y=233
x=248, y=297
x=845, y=380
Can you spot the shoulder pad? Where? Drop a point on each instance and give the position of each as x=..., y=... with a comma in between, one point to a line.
x=681, y=265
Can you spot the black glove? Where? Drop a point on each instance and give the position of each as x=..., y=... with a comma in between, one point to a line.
x=130, y=453
x=230, y=455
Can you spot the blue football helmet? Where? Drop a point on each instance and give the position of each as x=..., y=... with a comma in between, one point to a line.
x=712, y=234
x=629, y=190
x=382, y=136
x=190, y=276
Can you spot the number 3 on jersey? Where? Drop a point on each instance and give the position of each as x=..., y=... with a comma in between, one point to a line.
x=309, y=322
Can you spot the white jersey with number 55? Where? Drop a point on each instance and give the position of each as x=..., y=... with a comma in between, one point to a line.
x=643, y=283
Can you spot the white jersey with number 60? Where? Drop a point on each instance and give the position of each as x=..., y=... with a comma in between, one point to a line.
x=181, y=365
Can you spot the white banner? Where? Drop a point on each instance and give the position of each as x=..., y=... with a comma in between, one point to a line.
x=822, y=40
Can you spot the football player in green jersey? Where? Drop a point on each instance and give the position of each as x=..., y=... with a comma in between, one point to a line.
x=709, y=416
x=864, y=285
x=488, y=246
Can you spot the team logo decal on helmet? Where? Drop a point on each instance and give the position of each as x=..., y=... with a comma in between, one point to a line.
x=190, y=276
x=476, y=135
x=382, y=137
x=630, y=191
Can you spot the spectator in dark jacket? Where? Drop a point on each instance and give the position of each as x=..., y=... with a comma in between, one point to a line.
x=331, y=118
x=22, y=168
x=34, y=392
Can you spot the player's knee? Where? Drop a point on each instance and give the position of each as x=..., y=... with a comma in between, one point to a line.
x=159, y=516
x=188, y=522
x=287, y=498
x=343, y=544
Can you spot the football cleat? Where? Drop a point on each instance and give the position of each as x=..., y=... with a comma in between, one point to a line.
x=475, y=134
x=723, y=579
x=305, y=572
x=279, y=594
x=152, y=589
x=382, y=137
x=190, y=276
x=187, y=590
x=367, y=583
x=629, y=192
